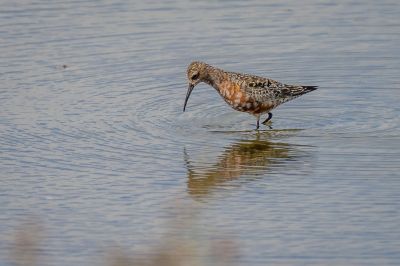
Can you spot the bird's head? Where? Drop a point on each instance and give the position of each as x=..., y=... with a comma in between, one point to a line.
x=195, y=74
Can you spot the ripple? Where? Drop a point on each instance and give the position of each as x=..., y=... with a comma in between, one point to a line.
x=101, y=148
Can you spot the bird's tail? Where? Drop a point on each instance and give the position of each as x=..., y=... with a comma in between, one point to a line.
x=291, y=92
x=296, y=91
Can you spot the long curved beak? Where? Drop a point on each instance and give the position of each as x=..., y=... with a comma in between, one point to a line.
x=189, y=91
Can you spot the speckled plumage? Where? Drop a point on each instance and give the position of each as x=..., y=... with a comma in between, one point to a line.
x=243, y=92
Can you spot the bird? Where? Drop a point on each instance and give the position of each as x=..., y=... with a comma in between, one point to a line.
x=244, y=92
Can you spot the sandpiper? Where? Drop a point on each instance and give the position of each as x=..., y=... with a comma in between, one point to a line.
x=243, y=92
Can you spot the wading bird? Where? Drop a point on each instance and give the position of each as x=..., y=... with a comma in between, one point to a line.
x=243, y=92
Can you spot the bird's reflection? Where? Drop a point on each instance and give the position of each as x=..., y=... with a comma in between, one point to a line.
x=244, y=158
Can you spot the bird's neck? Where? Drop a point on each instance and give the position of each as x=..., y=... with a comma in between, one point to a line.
x=213, y=76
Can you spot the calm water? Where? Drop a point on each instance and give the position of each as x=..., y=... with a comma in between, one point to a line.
x=95, y=148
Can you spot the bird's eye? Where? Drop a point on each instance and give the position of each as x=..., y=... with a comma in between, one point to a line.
x=195, y=76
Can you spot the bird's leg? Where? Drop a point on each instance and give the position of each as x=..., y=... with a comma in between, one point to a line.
x=268, y=118
x=258, y=121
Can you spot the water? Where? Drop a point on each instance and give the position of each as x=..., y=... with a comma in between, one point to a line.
x=96, y=151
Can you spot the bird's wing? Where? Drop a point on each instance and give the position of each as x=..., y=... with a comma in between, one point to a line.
x=268, y=90
x=263, y=89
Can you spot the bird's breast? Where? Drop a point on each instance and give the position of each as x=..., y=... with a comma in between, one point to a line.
x=239, y=100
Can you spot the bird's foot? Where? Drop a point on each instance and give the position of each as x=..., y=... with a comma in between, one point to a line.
x=268, y=119
x=269, y=126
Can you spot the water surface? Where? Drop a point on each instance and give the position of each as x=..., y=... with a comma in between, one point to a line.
x=95, y=148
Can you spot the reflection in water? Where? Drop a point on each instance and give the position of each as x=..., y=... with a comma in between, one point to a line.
x=250, y=158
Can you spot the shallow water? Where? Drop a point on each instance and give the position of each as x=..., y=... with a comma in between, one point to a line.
x=95, y=147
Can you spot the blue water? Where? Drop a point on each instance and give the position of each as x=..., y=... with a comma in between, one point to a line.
x=96, y=151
